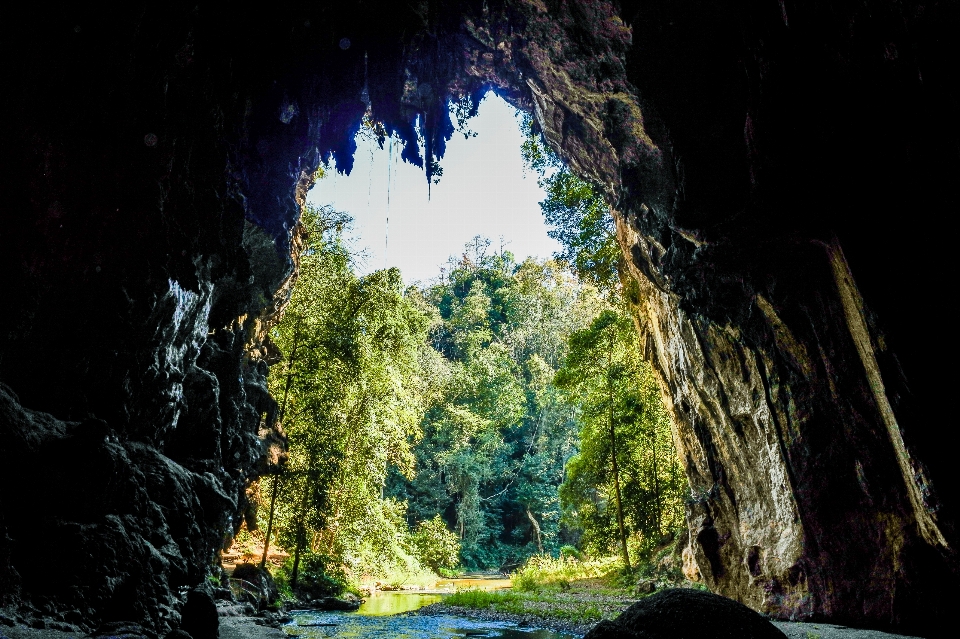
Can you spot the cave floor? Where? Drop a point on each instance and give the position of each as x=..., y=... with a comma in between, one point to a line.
x=800, y=630
x=245, y=628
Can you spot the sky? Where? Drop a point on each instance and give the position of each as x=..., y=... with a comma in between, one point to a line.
x=483, y=191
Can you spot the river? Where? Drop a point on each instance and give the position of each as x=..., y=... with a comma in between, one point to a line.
x=386, y=615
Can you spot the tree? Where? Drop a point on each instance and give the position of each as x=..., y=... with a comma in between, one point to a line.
x=577, y=212
x=624, y=484
x=353, y=390
x=494, y=448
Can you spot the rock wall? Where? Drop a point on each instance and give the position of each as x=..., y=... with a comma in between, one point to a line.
x=778, y=174
x=754, y=159
x=743, y=157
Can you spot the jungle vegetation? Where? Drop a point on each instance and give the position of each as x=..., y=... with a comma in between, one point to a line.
x=500, y=412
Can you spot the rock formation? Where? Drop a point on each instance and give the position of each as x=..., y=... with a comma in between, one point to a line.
x=766, y=167
x=681, y=613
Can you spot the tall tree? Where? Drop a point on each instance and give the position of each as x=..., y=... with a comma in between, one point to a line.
x=624, y=484
x=353, y=389
x=493, y=452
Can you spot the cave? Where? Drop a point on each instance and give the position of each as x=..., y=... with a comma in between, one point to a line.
x=765, y=165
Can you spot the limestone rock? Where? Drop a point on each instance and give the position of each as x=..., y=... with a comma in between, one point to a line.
x=257, y=582
x=681, y=613
x=200, y=617
x=334, y=603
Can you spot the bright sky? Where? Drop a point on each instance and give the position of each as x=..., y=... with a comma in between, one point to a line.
x=483, y=191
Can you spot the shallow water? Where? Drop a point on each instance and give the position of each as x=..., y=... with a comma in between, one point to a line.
x=384, y=616
x=391, y=603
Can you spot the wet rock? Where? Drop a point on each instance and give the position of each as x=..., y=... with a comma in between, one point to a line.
x=122, y=630
x=225, y=609
x=273, y=619
x=682, y=613
x=256, y=583
x=223, y=594
x=333, y=603
x=200, y=617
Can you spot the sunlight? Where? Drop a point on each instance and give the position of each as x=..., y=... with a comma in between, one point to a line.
x=484, y=191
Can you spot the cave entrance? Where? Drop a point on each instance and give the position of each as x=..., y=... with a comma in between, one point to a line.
x=497, y=409
x=484, y=190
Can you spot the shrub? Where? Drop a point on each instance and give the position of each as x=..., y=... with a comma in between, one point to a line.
x=569, y=552
x=318, y=576
x=543, y=570
x=435, y=545
x=480, y=599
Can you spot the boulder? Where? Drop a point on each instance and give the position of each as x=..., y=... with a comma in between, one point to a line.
x=334, y=603
x=680, y=613
x=121, y=630
x=257, y=582
x=200, y=617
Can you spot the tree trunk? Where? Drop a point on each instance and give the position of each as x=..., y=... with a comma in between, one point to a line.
x=536, y=529
x=283, y=410
x=296, y=556
x=613, y=453
x=656, y=486
x=273, y=503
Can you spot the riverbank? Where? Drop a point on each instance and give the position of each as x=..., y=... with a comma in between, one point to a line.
x=247, y=627
x=528, y=616
x=527, y=619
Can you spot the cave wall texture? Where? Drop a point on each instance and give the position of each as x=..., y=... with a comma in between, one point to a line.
x=780, y=173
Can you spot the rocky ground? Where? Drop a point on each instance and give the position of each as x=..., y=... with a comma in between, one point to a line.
x=239, y=625
x=792, y=629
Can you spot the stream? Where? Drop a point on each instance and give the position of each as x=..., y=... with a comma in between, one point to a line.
x=384, y=615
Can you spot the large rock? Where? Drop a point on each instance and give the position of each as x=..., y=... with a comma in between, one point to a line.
x=256, y=582
x=681, y=613
x=138, y=526
x=200, y=617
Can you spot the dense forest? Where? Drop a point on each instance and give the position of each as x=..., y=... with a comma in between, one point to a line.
x=502, y=411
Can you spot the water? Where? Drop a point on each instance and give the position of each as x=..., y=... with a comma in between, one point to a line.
x=384, y=615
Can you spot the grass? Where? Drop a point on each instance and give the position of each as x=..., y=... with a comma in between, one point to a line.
x=403, y=578
x=548, y=603
x=543, y=572
x=578, y=591
x=563, y=588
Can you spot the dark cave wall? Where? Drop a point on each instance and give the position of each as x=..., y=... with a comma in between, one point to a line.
x=778, y=176
x=754, y=159
x=153, y=164
x=792, y=337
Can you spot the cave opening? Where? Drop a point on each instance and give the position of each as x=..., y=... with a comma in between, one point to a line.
x=492, y=477
x=402, y=220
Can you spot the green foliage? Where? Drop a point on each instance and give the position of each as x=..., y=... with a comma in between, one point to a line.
x=319, y=576
x=543, y=571
x=353, y=385
x=569, y=552
x=495, y=444
x=435, y=546
x=577, y=212
x=472, y=421
x=480, y=599
x=620, y=407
